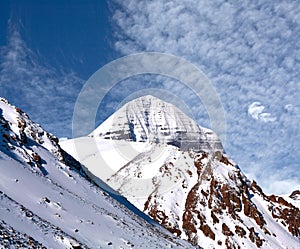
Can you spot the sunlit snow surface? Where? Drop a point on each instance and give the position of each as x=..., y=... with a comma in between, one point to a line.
x=57, y=206
x=173, y=197
x=163, y=174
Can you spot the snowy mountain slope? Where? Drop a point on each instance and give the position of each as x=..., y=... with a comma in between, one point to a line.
x=47, y=200
x=192, y=188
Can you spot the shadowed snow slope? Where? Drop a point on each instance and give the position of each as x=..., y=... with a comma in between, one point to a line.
x=47, y=200
x=177, y=172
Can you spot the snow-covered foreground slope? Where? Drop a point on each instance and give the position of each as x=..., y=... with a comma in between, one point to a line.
x=47, y=200
x=195, y=190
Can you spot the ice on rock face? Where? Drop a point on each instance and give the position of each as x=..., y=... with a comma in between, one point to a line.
x=149, y=119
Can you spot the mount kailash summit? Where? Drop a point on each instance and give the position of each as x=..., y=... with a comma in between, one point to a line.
x=177, y=172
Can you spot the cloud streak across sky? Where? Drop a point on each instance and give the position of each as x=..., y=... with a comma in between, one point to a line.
x=47, y=94
x=250, y=51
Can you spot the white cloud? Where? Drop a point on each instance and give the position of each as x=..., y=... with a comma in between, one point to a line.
x=266, y=117
x=255, y=110
x=249, y=51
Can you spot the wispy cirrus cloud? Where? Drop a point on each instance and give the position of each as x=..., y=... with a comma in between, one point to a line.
x=250, y=51
x=26, y=80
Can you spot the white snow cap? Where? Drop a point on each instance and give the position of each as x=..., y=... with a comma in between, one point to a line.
x=149, y=119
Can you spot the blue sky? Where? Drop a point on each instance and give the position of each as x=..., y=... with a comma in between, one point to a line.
x=66, y=33
x=250, y=51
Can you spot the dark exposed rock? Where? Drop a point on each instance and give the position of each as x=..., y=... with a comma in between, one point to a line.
x=254, y=237
x=295, y=195
x=205, y=228
x=225, y=230
x=7, y=137
x=240, y=231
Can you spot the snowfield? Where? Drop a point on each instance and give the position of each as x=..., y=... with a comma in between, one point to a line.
x=149, y=177
x=47, y=200
x=177, y=172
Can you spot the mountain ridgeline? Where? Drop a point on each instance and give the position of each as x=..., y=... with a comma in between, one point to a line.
x=183, y=190
x=181, y=177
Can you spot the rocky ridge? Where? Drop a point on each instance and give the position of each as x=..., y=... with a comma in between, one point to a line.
x=208, y=200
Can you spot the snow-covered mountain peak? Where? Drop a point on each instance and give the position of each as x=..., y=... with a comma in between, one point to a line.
x=149, y=119
x=47, y=201
x=176, y=173
x=184, y=180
